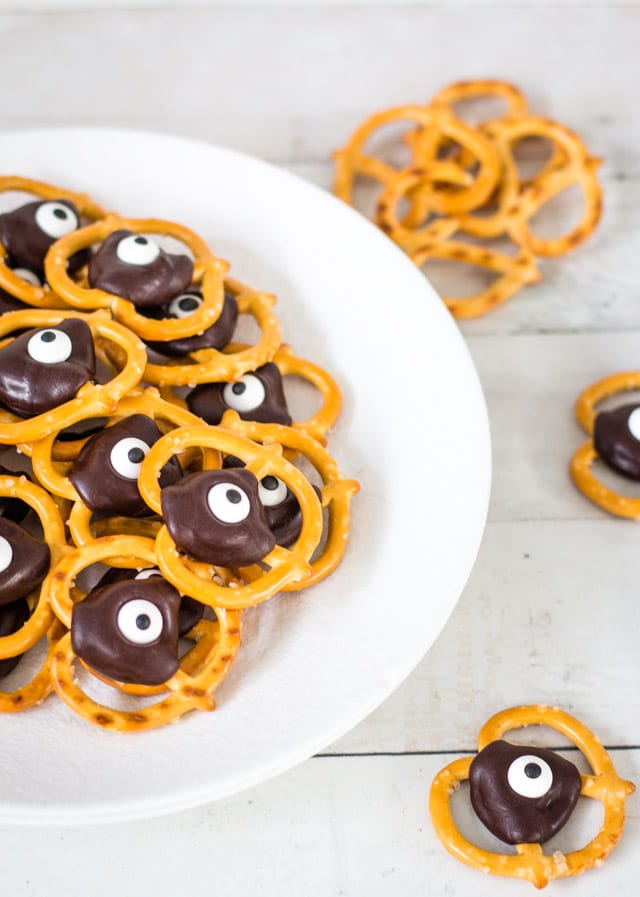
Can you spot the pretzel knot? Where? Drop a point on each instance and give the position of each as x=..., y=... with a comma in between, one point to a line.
x=209, y=506
x=530, y=862
x=190, y=687
x=614, y=438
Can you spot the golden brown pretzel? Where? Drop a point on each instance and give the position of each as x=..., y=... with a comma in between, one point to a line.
x=530, y=862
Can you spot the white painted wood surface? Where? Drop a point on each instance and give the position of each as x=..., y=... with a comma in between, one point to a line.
x=551, y=609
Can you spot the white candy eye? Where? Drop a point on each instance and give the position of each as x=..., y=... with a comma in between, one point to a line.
x=6, y=554
x=633, y=423
x=272, y=491
x=185, y=305
x=147, y=574
x=140, y=621
x=245, y=395
x=49, y=346
x=137, y=250
x=530, y=776
x=56, y=219
x=228, y=502
x=127, y=455
x=29, y=276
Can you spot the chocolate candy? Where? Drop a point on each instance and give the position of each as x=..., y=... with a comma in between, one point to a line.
x=257, y=396
x=616, y=438
x=217, y=516
x=191, y=611
x=12, y=508
x=524, y=795
x=24, y=561
x=105, y=473
x=13, y=616
x=45, y=367
x=215, y=337
x=128, y=631
x=281, y=507
x=138, y=269
x=28, y=231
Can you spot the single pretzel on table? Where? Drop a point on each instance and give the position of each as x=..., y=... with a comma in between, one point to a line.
x=208, y=272
x=92, y=399
x=190, y=688
x=17, y=286
x=530, y=862
x=581, y=463
x=283, y=566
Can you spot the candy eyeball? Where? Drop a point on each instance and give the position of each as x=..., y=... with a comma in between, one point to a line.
x=56, y=219
x=6, y=554
x=530, y=776
x=244, y=395
x=184, y=305
x=272, y=491
x=50, y=346
x=28, y=275
x=140, y=621
x=127, y=455
x=137, y=249
x=149, y=572
x=228, y=502
x=633, y=423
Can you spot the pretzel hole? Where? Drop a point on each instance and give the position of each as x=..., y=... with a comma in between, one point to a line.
x=483, y=108
x=614, y=480
x=470, y=826
x=365, y=194
x=581, y=827
x=391, y=143
x=451, y=278
x=108, y=695
x=28, y=666
x=302, y=398
x=247, y=330
x=560, y=215
x=531, y=155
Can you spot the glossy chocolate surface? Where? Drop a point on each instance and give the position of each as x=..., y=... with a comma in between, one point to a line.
x=12, y=618
x=97, y=635
x=215, y=337
x=615, y=443
x=27, y=243
x=506, y=813
x=99, y=484
x=207, y=400
x=200, y=533
x=13, y=508
x=284, y=518
x=149, y=284
x=29, y=387
x=29, y=562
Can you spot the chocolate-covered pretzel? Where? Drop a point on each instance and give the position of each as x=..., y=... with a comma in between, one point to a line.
x=24, y=561
x=523, y=795
x=616, y=438
x=28, y=231
x=217, y=516
x=45, y=367
x=13, y=616
x=128, y=631
x=135, y=267
x=105, y=473
x=215, y=337
x=257, y=396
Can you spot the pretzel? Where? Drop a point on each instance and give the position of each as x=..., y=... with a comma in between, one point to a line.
x=92, y=400
x=585, y=456
x=285, y=566
x=187, y=690
x=208, y=272
x=530, y=862
x=459, y=91
x=211, y=365
x=40, y=685
x=17, y=286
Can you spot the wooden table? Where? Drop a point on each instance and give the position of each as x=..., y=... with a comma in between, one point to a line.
x=551, y=610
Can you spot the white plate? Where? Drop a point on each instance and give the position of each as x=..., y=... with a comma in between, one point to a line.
x=413, y=431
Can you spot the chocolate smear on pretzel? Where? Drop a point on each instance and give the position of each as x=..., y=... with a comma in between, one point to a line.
x=257, y=396
x=137, y=268
x=616, y=438
x=28, y=232
x=128, y=631
x=13, y=616
x=217, y=517
x=215, y=337
x=45, y=367
x=523, y=795
x=24, y=561
x=105, y=473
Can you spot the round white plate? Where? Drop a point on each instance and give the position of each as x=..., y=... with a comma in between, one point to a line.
x=413, y=431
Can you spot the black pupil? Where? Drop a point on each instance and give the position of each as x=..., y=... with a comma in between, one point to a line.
x=142, y=241
x=189, y=303
x=532, y=771
x=61, y=213
x=48, y=336
x=233, y=496
x=135, y=455
x=270, y=483
x=238, y=388
x=143, y=621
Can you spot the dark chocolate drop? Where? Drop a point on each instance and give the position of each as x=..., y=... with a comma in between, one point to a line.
x=214, y=337
x=28, y=562
x=27, y=243
x=12, y=618
x=615, y=443
x=209, y=403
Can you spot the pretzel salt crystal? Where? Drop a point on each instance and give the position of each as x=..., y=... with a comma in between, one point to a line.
x=530, y=862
